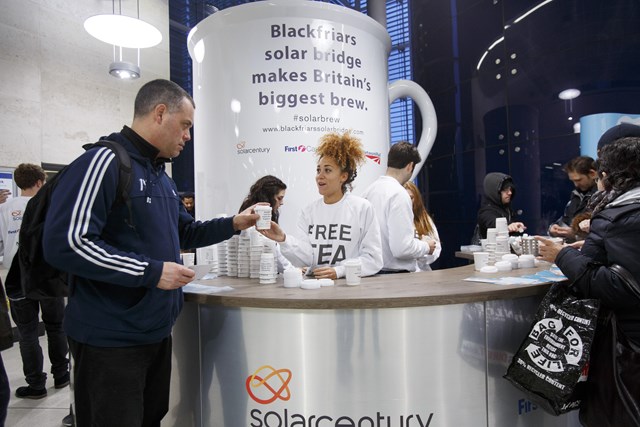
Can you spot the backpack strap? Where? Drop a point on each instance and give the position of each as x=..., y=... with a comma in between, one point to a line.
x=627, y=278
x=124, y=174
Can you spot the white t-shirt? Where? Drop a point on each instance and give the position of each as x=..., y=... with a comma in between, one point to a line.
x=400, y=248
x=423, y=263
x=327, y=235
x=10, y=221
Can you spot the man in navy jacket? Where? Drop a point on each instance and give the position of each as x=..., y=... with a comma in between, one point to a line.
x=126, y=288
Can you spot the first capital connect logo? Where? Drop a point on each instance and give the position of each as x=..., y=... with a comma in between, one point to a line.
x=267, y=384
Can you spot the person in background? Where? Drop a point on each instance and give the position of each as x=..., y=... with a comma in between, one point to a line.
x=581, y=225
x=6, y=341
x=400, y=248
x=499, y=191
x=125, y=292
x=582, y=172
x=189, y=202
x=269, y=189
x=613, y=239
x=26, y=311
x=339, y=225
x=425, y=229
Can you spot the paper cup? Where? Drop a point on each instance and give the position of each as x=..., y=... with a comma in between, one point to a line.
x=353, y=269
x=480, y=259
x=264, y=222
x=188, y=259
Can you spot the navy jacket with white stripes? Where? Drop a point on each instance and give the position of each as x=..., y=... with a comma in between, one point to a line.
x=114, y=300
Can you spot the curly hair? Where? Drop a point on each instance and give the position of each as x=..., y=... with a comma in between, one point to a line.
x=346, y=150
x=27, y=175
x=575, y=224
x=421, y=219
x=265, y=189
x=618, y=169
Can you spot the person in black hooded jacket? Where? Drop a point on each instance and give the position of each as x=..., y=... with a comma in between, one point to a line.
x=499, y=191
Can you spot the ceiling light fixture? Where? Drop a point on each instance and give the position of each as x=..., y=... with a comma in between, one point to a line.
x=124, y=70
x=568, y=94
x=123, y=32
x=518, y=19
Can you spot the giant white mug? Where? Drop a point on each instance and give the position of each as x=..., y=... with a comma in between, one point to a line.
x=271, y=78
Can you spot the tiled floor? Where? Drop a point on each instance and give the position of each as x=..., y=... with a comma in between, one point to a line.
x=47, y=412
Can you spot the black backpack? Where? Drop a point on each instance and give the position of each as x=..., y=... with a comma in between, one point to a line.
x=37, y=278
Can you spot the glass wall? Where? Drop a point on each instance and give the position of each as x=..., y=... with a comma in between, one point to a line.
x=494, y=70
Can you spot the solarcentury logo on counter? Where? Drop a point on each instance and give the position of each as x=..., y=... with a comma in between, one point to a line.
x=267, y=385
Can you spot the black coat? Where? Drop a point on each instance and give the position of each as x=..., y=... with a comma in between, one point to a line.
x=492, y=206
x=576, y=205
x=614, y=238
x=6, y=336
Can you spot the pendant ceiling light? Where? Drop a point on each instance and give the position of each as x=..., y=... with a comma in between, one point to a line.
x=123, y=32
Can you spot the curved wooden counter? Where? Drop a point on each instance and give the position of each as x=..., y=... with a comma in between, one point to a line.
x=439, y=287
x=426, y=349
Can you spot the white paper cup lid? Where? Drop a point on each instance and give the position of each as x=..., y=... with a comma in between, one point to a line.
x=326, y=282
x=310, y=284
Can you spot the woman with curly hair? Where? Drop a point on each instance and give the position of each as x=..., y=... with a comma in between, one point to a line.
x=425, y=228
x=339, y=225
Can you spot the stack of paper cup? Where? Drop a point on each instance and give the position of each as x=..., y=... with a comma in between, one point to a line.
x=232, y=256
x=257, y=244
x=267, y=268
x=502, y=227
x=221, y=249
x=244, y=244
x=221, y=253
x=492, y=233
x=490, y=246
x=502, y=244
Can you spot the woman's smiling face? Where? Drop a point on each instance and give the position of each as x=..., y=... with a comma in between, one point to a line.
x=329, y=178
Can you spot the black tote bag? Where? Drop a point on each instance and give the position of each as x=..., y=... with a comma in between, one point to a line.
x=552, y=362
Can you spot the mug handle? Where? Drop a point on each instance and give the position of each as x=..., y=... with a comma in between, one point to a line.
x=410, y=89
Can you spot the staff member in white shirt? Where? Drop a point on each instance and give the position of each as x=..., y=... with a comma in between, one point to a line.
x=425, y=229
x=339, y=226
x=400, y=248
